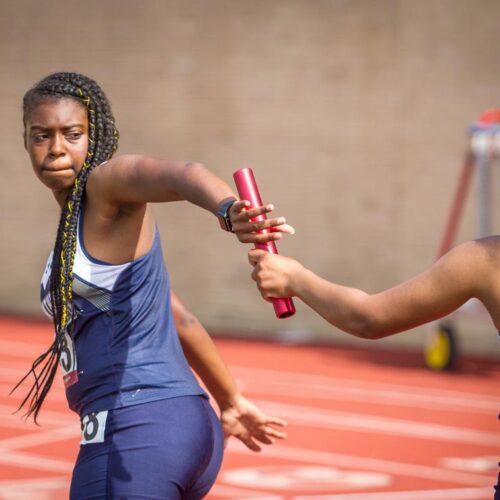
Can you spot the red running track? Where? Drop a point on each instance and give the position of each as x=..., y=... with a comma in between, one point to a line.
x=363, y=425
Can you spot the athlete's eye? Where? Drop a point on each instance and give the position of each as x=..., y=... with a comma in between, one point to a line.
x=40, y=137
x=74, y=136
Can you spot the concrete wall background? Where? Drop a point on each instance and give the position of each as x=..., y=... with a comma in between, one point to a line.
x=353, y=115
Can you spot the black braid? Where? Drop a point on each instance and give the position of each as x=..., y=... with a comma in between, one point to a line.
x=103, y=142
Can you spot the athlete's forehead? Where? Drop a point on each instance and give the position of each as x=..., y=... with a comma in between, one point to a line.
x=60, y=113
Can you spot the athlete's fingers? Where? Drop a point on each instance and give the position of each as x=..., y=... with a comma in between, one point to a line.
x=255, y=277
x=250, y=443
x=237, y=208
x=255, y=256
x=268, y=297
x=274, y=225
x=284, y=228
x=250, y=237
x=275, y=433
x=277, y=421
x=254, y=274
x=264, y=438
x=240, y=211
x=264, y=293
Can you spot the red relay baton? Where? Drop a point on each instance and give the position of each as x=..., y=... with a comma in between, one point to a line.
x=248, y=190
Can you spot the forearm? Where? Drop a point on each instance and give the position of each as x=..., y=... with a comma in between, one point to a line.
x=344, y=307
x=205, y=360
x=203, y=356
x=429, y=296
x=197, y=184
x=461, y=274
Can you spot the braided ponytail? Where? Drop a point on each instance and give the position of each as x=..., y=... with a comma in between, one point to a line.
x=103, y=142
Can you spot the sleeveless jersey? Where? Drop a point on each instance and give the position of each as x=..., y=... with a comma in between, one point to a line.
x=123, y=348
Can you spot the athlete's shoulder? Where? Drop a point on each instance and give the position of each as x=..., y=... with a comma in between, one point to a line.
x=474, y=262
x=481, y=266
x=486, y=249
x=113, y=167
x=108, y=182
x=488, y=265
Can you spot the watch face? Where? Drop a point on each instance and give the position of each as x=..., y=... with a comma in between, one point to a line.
x=223, y=215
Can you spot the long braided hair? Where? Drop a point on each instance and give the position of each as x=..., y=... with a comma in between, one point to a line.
x=103, y=142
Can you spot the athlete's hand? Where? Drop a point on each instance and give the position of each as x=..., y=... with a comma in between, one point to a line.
x=245, y=421
x=246, y=230
x=274, y=274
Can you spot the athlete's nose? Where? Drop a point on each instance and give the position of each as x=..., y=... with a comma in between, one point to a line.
x=57, y=146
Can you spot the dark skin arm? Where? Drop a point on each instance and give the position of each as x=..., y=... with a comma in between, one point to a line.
x=119, y=222
x=239, y=417
x=471, y=270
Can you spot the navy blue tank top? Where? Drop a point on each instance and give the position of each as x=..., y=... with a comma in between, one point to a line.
x=123, y=348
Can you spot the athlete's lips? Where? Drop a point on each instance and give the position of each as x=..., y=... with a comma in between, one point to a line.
x=56, y=170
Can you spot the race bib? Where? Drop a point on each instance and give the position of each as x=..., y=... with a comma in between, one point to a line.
x=68, y=361
x=93, y=427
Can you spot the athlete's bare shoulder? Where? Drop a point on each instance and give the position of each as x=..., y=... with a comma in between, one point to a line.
x=107, y=186
x=475, y=256
x=489, y=249
x=105, y=175
x=487, y=262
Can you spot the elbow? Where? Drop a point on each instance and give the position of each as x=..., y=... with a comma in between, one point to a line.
x=360, y=315
x=368, y=327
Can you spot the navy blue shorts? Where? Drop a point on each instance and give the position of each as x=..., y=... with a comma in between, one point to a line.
x=168, y=449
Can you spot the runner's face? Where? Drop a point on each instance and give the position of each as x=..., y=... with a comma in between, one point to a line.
x=57, y=141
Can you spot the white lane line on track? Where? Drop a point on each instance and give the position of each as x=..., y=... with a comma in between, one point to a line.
x=365, y=463
x=482, y=464
x=47, y=418
x=318, y=386
x=233, y=493
x=402, y=392
x=366, y=395
x=34, y=461
x=444, y=494
x=296, y=379
x=380, y=425
x=22, y=488
x=37, y=439
x=12, y=423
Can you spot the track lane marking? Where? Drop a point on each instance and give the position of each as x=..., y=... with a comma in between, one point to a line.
x=37, y=462
x=326, y=383
x=366, y=395
x=333, y=419
x=365, y=463
x=442, y=494
x=37, y=439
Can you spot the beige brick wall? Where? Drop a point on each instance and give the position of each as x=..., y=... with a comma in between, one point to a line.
x=353, y=115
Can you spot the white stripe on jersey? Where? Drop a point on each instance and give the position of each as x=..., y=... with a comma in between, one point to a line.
x=92, y=279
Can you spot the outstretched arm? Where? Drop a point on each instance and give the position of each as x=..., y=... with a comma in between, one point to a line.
x=129, y=181
x=465, y=272
x=239, y=417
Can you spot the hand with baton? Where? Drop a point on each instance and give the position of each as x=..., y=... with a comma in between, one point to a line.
x=249, y=192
